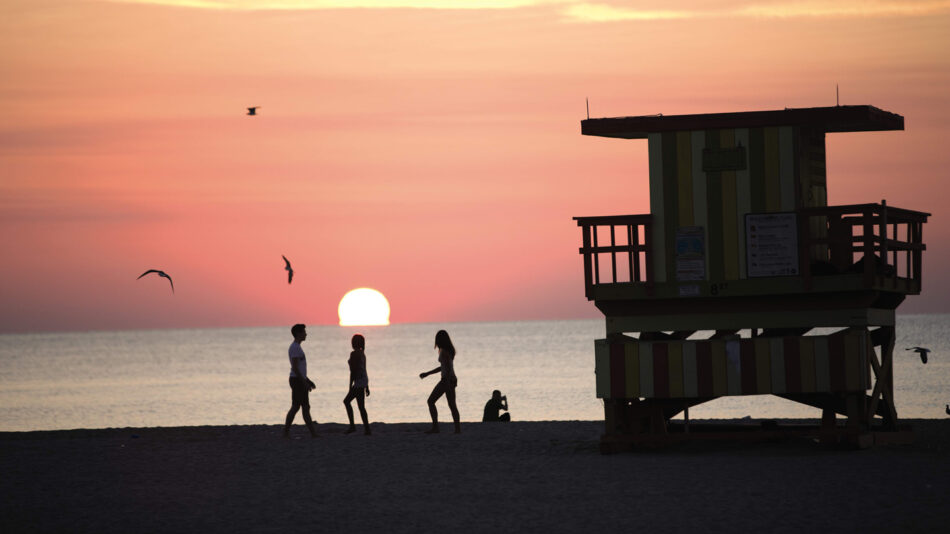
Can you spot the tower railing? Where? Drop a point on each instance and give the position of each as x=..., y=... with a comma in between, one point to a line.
x=616, y=249
x=883, y=243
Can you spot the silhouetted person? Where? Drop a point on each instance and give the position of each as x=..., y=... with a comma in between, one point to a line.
x=447, y=383
x=496, y=403
x=300, y=385
x=358, y=384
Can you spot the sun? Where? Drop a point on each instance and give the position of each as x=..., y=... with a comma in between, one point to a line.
x=363, y=307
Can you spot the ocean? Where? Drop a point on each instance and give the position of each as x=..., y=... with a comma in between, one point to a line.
x=238, y=376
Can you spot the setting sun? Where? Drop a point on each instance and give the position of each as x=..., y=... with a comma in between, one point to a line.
x=363, y=307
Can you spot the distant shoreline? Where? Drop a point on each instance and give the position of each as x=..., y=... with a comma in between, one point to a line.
x=545, y=476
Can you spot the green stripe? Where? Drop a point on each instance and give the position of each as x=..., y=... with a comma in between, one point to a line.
x=670, y=201
x=757, y=168
x=714, y=214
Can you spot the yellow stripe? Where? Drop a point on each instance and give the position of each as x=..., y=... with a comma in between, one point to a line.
x=684, y=176
x=773, y=191
x=602, y=368
x=763, y=367
x=806, y=348
x=632, y=367
x=719, y=367
x=675, y=358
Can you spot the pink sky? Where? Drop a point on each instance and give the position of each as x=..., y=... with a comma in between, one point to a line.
x=432, y=153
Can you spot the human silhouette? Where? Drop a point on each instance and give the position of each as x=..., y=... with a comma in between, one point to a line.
x=358, y=384
x=300, y=384
x=446, y=384
x=496, y=403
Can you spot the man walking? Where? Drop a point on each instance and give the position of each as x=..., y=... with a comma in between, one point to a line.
x=300, y=385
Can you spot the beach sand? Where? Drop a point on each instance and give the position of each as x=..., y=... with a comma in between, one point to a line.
x=517, y=477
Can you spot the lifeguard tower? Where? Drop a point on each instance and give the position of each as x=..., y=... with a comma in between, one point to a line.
x=719, y=290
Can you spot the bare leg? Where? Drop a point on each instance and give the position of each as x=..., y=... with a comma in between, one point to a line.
x=437, y=392
x=349, y=409
x=450, y=396
x=290, y=418
x=309, y=421
x=361, y=404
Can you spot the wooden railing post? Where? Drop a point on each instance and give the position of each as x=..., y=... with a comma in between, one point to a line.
x=867, y=215
x=596, y=255
x=882, y=230
x=613, y=253
x=585, y=250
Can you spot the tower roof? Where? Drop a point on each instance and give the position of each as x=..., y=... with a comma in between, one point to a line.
x=827, y=119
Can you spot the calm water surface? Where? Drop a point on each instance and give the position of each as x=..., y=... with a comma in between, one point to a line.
x=235, y=376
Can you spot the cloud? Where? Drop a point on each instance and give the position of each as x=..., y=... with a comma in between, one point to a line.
x=780, y=9
x=264, y=5
x=604, y=11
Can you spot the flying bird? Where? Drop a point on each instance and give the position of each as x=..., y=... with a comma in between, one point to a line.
x=290, y=271
x=159, y=273
x=921, y=351
x=252, y=110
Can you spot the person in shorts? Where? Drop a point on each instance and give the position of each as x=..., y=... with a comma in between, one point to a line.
x=300, y=384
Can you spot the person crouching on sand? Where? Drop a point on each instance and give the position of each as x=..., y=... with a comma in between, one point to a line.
x=358, y=384
x=495, y=404
x=300, y=385
x=446, y=385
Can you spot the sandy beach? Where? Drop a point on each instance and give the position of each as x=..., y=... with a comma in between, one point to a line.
x=522, y=476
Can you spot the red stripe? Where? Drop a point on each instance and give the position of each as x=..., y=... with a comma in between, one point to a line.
x=793, y=366
x=836, y=363
x=618, y=372
x=661, y=371
x=704, y=373
x=747, y=362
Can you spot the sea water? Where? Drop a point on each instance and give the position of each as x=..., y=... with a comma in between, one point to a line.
x=238, y=376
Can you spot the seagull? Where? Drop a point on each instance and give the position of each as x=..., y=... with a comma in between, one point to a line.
x=252, y=110
x=920, y=350
x=290, y=271
x=159, y=273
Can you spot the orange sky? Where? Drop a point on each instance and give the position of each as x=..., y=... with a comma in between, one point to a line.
x=430, y=152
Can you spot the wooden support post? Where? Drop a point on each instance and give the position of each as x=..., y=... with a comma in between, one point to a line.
x=887, y=366
x=613, y=417
x=878, y=390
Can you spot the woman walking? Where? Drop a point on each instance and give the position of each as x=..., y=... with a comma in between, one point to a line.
x=447, y=383
x=358, y=384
